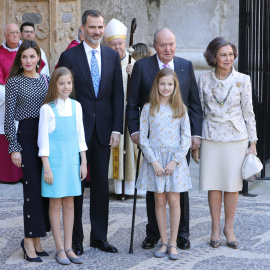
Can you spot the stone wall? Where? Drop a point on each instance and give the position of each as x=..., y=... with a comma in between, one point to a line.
x=194, y=22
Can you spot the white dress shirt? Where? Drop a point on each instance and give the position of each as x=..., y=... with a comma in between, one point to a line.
x=88, y=51
x=47, y=124
x=160, y=64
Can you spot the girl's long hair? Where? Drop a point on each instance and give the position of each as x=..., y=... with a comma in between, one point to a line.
x=52, y=93
x=16, y=67
x=175, y=101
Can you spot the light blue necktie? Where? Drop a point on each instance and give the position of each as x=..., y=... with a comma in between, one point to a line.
x=95, y=72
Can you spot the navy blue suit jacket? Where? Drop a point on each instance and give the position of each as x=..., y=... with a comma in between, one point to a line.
x=106, y=110
x=143, y=75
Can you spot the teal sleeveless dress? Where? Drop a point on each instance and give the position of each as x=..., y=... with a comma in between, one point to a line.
x=63, y=158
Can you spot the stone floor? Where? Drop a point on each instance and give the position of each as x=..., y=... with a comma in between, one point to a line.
x=252, y=228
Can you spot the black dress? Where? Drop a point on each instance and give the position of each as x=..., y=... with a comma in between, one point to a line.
x=24, y=96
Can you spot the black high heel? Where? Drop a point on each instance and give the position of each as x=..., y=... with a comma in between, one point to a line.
x=36, y=259
x=42, y=253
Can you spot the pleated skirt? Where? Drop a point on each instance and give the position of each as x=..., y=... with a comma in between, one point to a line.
x=221, y=164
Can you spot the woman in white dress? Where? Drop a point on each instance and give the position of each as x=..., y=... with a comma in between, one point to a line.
x=229, y=127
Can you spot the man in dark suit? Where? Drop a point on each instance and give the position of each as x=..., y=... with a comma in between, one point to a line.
x=99, y=88
x=143, y=74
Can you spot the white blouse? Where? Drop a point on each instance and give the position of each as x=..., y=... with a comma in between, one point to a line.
x=47, y=124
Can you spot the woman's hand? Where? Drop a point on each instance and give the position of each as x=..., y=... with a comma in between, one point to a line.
x=16, y=158
x=159, y=171
x=169, y=169
x=83, y=171
x=252, y=149
x=48, y=177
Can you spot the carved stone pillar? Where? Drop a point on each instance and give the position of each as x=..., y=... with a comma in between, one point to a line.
x=56, y=22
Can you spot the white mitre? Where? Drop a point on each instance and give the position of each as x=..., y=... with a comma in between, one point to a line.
x=115, y=29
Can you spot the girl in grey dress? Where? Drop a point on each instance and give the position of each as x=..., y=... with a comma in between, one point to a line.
x=165, y=139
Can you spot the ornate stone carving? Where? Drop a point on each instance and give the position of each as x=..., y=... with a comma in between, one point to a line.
x=67, y=29
x=26, y=11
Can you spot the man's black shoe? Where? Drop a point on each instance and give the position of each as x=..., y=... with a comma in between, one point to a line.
x=103, y=245
x=77, y=248
x=183, y=242
x=148, y=243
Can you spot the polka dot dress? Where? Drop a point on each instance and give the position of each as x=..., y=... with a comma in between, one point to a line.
x=24, y=96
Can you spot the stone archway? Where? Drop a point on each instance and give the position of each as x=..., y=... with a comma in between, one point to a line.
x=56, y=22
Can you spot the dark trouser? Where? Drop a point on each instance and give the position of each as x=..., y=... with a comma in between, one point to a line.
x=35, y=208
x=152, y=230
x=98, y=159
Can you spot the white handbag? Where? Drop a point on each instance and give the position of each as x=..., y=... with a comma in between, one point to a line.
x=251, y=166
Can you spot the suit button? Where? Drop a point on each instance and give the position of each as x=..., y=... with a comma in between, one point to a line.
x=28, y=216
x=30, y=233
x=27, y=199
x=26, y=182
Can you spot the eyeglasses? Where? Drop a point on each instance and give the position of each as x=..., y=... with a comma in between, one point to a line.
x=12, y=33
x=28, y=32
x=164, y=45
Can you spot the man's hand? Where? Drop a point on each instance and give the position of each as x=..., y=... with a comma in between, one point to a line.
x=196, y=155
x=136, y=138
x=129, y=69
x=195, y=143
x=159, y=171
x=16, y=158
x=115, y=140
x=169, y=169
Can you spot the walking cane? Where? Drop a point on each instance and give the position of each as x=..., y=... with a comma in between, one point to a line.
x=130, y=50
x=134, y=203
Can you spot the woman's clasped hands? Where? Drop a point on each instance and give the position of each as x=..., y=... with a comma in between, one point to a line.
x=168, y=170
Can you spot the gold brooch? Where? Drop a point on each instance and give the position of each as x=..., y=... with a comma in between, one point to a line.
x=238, y=84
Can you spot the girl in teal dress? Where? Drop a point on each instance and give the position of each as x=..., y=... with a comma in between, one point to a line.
x=60, y=140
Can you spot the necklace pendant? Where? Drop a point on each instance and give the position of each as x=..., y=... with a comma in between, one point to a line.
x=221, y=104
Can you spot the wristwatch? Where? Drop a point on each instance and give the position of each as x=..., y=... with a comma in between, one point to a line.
x=253, y=142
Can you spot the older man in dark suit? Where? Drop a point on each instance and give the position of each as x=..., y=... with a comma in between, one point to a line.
x=143, y=74
x=99, y=89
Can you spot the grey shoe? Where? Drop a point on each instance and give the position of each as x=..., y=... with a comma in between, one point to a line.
x=173, y=256
x=73, y=259
x=61, y=261
x=215, y=243
x=159, y=254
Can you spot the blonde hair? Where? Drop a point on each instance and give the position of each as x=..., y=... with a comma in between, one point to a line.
x=175, y=101
x=52, y=93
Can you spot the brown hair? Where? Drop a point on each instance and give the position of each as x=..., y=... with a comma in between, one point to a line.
x=141, y=50
x=175, y=101
x=52, y=93
x=16, y=67
x=213, y=47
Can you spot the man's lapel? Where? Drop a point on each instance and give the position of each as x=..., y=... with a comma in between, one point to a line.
x=104, y=69
x=81, y=58
x=153, y=67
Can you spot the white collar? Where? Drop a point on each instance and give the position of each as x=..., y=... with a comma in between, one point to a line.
x=9, y=49
x=160, y=64
x=88, y=49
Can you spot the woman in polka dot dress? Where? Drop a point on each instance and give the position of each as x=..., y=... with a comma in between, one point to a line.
x=25, y=92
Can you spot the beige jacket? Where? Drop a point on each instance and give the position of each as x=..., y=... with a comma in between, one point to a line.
x=233, y=121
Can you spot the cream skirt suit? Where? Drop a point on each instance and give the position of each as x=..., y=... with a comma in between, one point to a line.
x=228, y=125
